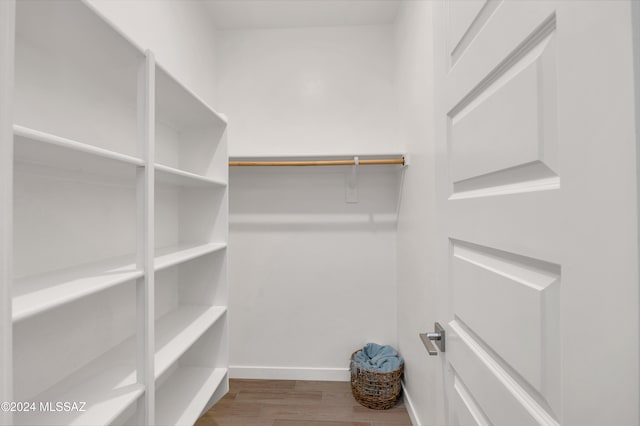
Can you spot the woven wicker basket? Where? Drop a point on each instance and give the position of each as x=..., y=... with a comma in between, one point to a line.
x=379, y=391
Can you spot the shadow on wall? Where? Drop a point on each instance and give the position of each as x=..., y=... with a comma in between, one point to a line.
x=299, y=199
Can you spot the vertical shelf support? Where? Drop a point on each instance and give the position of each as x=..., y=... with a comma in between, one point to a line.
x=145, y=241
x=7, y=46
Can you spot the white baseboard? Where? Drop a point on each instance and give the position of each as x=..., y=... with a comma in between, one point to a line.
x=410, y=407
x=289, y=373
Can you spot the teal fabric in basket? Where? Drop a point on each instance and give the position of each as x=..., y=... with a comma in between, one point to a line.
x=377, y=358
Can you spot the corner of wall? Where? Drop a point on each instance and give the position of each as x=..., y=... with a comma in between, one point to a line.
x=416, y=212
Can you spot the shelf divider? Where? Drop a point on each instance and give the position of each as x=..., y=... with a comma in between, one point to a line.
x=7, y=46
x=145, y=299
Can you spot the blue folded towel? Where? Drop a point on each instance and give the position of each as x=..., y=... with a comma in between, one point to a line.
x=377, y=358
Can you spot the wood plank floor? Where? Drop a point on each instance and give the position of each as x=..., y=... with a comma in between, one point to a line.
x=297, y=403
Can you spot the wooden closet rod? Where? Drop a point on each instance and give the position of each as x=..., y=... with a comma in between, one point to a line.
x=351, y=162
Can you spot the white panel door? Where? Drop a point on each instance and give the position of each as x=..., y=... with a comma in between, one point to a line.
x=538, y=258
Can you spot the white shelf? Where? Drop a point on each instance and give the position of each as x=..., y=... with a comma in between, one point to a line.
x=178, y=330
x=101, y=408
x=174, y=255
x=178, y=105
x=107, y=385
x=166, y=175
x=35, y=147
x=190, y=148
x=66, y=146
x=39, y=293
x=182, y=398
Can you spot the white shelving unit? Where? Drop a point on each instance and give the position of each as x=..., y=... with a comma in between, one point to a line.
x=113, y=227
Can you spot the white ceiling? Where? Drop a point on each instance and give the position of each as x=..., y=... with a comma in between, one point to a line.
x=300, y=13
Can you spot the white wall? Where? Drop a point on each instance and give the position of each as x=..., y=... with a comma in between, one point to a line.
x=180, y=34
x=312, y=278
x=416, y=287
x=307, y=91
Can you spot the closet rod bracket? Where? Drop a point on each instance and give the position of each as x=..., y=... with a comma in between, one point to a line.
x=351, y=191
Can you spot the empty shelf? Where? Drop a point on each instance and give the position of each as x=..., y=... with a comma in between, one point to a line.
x=107, y=385
x=170, y=256
x=182, y=398
x=171, y=176
x=39, y=293
x=178, y=105
x=178, y=330
x=101, y=408
x=35, y=147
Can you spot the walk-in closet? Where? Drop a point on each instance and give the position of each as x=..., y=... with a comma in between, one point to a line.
x=212, y=210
